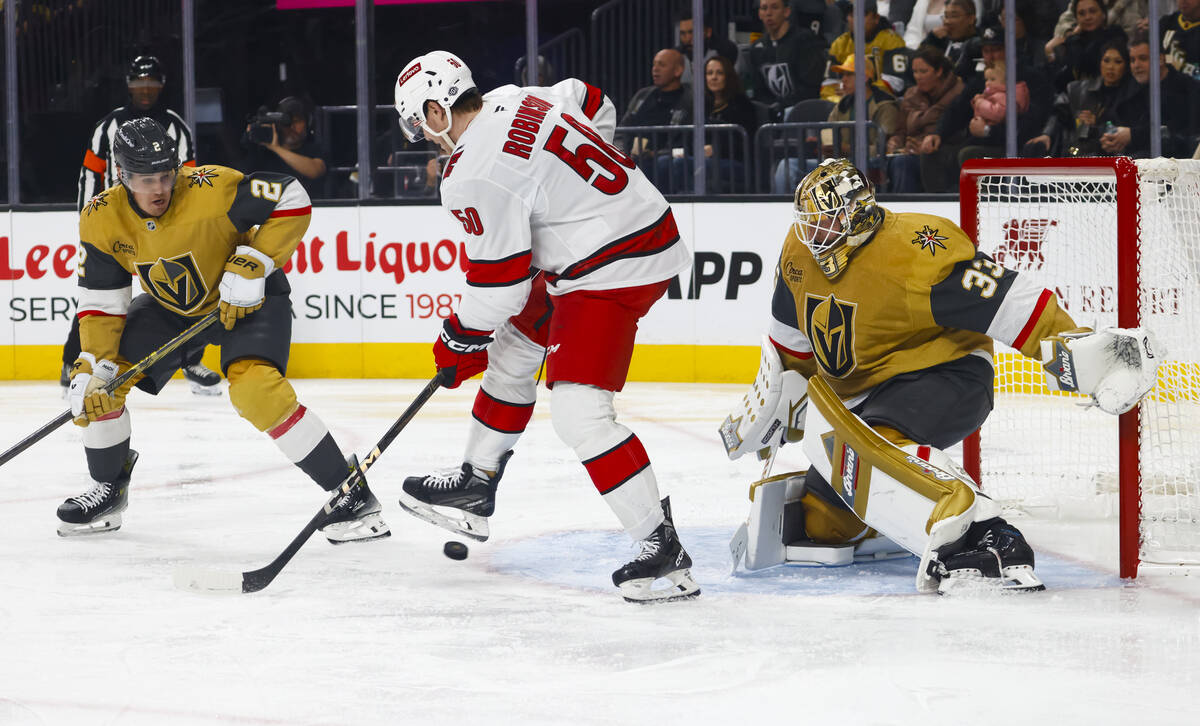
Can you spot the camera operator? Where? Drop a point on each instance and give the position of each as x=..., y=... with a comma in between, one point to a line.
x=282, y=141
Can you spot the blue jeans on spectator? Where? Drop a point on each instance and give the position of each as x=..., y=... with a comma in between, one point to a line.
x=677, y=176
x=904, y=173
x=788, y=174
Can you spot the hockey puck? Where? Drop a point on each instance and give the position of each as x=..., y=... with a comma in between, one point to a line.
x=455, y=550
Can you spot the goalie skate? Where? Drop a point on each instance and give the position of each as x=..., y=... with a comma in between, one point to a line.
x=992, y=556
x=99, y=508
x=355, y=516
x=459, y=501
x=661, y=557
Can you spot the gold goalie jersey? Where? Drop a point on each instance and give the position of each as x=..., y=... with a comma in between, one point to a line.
x=179, y=258
x=915, y=295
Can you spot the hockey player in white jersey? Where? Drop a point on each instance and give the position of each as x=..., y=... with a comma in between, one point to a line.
x=569, y=245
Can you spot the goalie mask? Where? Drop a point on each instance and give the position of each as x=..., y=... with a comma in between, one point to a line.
x=835, y=212
x=440, y=77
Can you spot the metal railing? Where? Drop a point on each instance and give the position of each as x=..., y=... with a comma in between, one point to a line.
x=783, y=151
x=625, y=35
x=664, y=154
x=564, y=53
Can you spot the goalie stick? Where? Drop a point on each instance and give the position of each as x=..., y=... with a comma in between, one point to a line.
x=166, y=349
x=202, y=579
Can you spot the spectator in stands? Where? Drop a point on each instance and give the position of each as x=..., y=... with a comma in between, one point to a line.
x=713, y=44
x=822, y=17
x=787, y=63
x=1181, y=38
x=957, y=28
x=725, y=102
x=545, y=72
x=882, y=110
x=286, y=145
x=1076, y=56
x=992, y=105
x=1180, y=107
x=961, y=135
x=877, y=32
x=1133, y=15
x=666, y=102
x=1094, y=107
x=936, y=85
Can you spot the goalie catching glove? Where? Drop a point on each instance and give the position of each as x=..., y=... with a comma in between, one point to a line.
x=89, y=401
x=460, y=352
x=1116, y=366
x=244, y=284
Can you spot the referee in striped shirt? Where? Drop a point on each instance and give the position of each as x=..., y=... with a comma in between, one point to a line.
x=145, y=80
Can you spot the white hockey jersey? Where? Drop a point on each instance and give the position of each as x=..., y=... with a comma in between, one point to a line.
x=538, y=185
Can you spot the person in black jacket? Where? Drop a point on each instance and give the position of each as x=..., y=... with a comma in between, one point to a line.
x=1077, y=56
x=1095, y=107
x=787, y=64
x=1180, y=101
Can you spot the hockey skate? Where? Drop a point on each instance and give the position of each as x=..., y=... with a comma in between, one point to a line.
x=661, y=555
x=992, y=555
x=354, y=517
x=204, y=381
x=64, y=380
x=99, y=508
x=468, y=494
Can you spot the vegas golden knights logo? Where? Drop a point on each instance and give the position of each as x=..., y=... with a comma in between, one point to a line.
x=830, y=326
x=175, y=282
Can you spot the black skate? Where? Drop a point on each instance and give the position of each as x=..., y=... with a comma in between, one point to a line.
x=354, y=517
x=204, y=381
x=661, y=555
x=99, y=508
x=64, y=379
x=468, y=493
x=992, y=555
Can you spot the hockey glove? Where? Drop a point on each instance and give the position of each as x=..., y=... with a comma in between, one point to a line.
x=86, y=394
x=1116, y=366
x=460, y=352
x=243, y=286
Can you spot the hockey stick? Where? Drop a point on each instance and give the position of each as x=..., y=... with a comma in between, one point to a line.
x=200, y=579
x=166, y=349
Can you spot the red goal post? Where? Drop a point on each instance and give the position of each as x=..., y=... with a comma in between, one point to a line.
x=1119, y=241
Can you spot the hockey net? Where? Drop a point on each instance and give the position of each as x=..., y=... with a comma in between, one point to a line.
x=1119, y=241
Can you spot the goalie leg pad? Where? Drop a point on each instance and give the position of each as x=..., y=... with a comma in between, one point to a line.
x=915, y=495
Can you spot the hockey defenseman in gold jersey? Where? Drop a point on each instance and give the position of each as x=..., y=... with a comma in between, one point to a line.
x=196, y=240
x=879, y=356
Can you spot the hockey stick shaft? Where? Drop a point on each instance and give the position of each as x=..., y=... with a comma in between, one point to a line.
x=165, y=350
x=256, y=580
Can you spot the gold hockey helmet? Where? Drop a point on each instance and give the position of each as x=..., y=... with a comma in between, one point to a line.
x=835, y=212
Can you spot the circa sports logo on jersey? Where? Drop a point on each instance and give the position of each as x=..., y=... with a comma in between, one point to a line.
x=175, y=282
x=830, y=326
x=929, y=239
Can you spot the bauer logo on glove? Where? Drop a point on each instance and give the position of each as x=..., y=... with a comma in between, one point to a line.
x=87, y=395
x=244, y=283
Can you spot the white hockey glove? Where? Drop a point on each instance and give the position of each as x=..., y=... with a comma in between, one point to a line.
x=243, y=286
x=86, y=394
x=772, y=411
x=1116, y=366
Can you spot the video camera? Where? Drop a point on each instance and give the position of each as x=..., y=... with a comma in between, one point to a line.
x=261, y=122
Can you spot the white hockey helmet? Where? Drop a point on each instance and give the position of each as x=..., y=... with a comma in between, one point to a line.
x=440, y=77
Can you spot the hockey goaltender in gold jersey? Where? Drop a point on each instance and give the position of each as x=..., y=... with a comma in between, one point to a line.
x=878, y=357
x=197, y=240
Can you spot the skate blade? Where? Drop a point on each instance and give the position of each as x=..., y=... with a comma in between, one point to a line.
x=1017, y=578
x=108, y=523
x=201, y=579
x=641, y=590
x=470, y=525
x=365, y=528
x=200, y=389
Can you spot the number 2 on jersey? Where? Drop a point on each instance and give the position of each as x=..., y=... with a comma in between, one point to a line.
x=592, y=162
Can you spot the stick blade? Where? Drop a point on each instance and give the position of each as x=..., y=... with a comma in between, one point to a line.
x=201, y=579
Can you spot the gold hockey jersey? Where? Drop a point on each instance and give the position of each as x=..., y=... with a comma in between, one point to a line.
x=179, y=257
x=916, y=295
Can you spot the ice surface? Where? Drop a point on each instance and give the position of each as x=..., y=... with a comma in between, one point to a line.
x=528, y=629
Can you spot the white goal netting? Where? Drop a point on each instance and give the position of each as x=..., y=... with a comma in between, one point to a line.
x=1043, y=452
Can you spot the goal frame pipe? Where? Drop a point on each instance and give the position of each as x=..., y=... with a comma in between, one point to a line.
x=1128, y=200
